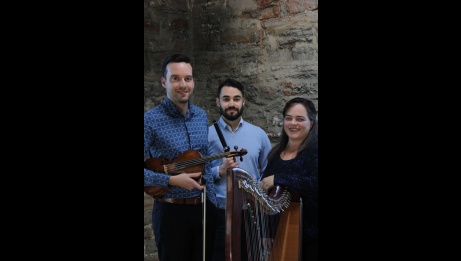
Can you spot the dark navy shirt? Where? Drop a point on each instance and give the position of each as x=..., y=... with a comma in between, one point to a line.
x=167, y=134
x=301, y=176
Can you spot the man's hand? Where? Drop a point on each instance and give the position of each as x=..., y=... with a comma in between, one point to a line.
x=227, y=163
x=186, y=180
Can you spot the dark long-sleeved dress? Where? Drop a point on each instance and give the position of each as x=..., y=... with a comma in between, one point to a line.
x=300, y=175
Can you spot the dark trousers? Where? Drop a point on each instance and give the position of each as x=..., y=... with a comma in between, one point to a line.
x=311, y=251
x=178, y=231
x=220, y=239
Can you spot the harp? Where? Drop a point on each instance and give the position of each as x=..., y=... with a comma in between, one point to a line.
x=271, y=223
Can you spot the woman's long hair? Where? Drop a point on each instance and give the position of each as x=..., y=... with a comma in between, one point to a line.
x=312, y=136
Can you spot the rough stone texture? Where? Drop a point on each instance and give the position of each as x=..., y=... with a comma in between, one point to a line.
x=269, y=46
x=150, y=249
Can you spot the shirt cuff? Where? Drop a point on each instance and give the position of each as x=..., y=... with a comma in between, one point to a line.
x=216, y=173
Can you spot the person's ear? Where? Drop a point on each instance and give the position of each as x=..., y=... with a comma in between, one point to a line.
x=163, y=82
x=217, y=102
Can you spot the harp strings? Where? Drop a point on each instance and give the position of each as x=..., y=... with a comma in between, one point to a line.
x=261, y=214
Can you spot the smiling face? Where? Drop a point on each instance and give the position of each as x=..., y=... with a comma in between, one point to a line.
x=179, y=83
x=296, y=122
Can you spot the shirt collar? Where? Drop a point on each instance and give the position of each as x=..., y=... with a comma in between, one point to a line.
x=227, y=126
x=172, y=110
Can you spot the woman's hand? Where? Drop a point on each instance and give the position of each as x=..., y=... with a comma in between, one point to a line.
x=267, y=183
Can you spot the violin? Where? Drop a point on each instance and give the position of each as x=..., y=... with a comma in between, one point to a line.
x=187, y=162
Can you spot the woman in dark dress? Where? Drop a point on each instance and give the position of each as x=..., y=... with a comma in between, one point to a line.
x=293, y=163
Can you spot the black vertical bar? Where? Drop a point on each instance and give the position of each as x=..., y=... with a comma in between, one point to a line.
x=221, y=137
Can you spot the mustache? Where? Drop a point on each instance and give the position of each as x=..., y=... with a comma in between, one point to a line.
x=231, y=108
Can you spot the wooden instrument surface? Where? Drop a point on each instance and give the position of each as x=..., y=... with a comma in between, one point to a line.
x=287, y=242
x=187, y=162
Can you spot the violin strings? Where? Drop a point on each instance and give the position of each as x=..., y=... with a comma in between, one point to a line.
x=192, y=162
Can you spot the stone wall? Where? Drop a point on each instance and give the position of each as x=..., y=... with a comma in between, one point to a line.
x=269, y=46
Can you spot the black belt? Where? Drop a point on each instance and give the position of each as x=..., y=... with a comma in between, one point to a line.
x=188, y=201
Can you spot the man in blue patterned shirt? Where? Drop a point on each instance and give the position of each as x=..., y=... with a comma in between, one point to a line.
x=172, y=128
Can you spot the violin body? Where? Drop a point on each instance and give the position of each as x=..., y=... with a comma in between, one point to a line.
x=189, y=161
x=170, y=167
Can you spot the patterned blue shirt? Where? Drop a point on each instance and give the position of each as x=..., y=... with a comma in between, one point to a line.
x=167, y=134
x=247, y=136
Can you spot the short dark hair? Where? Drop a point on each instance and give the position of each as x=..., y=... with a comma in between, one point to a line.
x=231, y=83
x=175, y=58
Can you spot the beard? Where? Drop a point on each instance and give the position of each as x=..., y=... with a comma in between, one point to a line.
x=231, y=117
